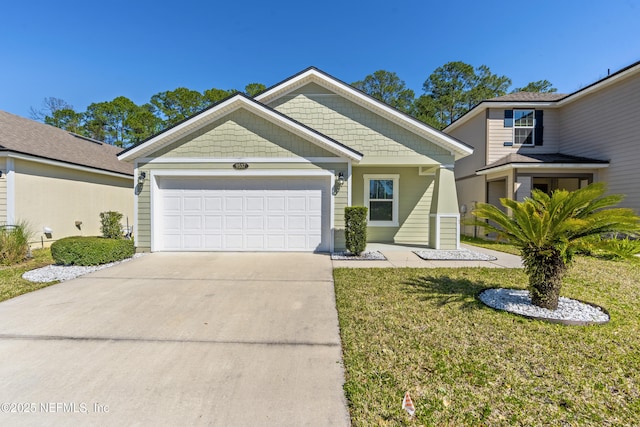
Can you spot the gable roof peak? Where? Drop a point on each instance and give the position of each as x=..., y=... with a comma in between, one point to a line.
x=230, y=104
x=313, y=74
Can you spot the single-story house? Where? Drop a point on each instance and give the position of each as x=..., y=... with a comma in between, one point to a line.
x=275, y=172
x=59, y=182
x=546, y=141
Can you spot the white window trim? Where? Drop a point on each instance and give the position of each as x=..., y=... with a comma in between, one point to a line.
x=395, y=200
x=532, y=127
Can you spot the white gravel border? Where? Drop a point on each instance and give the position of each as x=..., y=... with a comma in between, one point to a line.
x=61, y=273
x=453, y=255
x=518, y=301
x=364, y=256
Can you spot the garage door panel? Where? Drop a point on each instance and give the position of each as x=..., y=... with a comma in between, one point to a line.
x=213, y=242
x=192, y=241
x=233, y=222
x=255, y=241
x=213, y=223
x=315, y=203
x=275, y=242
x=212, y=204
x=233, y=241
x=254, y=203
x=244, y=214
x=255, y=223
x=172, y=203
x=275, y=204
x=297, y=222
x=192, y=203
x=296, y=204
x=173, y=241
x=192, y=223
x=233, y=203
x=297, y=241
x=172, y=223
x=276, y=222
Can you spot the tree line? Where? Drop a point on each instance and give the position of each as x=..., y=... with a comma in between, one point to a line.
x=448, y=93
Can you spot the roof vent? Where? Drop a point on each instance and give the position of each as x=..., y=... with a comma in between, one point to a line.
x=86, y=138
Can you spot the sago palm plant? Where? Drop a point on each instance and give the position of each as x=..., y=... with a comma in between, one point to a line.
x=547, y=230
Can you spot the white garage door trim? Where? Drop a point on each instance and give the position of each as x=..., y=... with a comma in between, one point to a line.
x=156, y=175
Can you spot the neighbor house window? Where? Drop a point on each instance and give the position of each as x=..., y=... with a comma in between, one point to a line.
x=527, y=126
x=381, y=197
x=523, y=127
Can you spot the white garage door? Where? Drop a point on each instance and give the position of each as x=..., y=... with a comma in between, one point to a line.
x=248, y=214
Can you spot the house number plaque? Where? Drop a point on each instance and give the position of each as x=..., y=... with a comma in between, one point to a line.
x=241, y=165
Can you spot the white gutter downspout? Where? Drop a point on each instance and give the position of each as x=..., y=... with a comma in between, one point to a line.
x=11, y=192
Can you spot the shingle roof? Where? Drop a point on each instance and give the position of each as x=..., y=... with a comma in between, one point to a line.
x=528, y=97
x=25, y=136
x=556, y=158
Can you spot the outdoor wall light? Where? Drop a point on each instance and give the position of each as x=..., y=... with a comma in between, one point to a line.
x=142, y=177
x=338, y=184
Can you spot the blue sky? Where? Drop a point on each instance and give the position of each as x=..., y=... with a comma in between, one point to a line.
x=84, y=52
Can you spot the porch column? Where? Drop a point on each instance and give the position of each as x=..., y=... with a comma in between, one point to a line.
x=444, y=218
x=523, y=187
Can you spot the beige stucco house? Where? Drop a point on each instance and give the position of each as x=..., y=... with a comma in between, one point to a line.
x=59, y=182
x=275, y=172
x=548, y=141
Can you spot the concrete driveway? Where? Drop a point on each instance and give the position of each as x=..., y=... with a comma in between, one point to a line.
x=178, y=339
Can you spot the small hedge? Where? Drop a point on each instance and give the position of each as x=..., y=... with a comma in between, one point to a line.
x=90, y=250
x=355, y=218
x=110, y=225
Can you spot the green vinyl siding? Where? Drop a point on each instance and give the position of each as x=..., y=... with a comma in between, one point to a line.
x=415, y=193
x=242, y=134
x=448, y=233
x=359, y=128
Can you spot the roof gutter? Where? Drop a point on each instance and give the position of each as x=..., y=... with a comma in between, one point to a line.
x=511, y=166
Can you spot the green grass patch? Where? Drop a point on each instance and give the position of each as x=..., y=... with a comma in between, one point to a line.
x=425, y=332
x=11, y=282
x=490, y=244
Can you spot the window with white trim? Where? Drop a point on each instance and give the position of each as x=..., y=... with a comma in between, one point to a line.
x=523, y=127
x=381, y=199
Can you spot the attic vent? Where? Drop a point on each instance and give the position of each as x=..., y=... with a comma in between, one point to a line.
x=95, y=141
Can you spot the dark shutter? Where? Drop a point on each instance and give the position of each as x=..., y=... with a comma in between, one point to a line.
x=508, y=118
x=539, y=128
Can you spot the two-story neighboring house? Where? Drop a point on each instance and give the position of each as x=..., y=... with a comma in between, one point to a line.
x=550, y=141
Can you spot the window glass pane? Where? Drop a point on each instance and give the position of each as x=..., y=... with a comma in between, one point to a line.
x=381, y=189
x=523, y=136
x=523, y=117
x=381, y=211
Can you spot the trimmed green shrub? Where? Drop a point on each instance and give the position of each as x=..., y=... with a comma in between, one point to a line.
x=110, y=225
x=355, y=218
x=90, y=250
x=14, y=243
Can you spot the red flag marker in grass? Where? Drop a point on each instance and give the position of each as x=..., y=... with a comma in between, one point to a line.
x=407, y=404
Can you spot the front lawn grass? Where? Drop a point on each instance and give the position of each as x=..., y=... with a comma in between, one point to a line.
x=11, y=282
x=425, y=332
